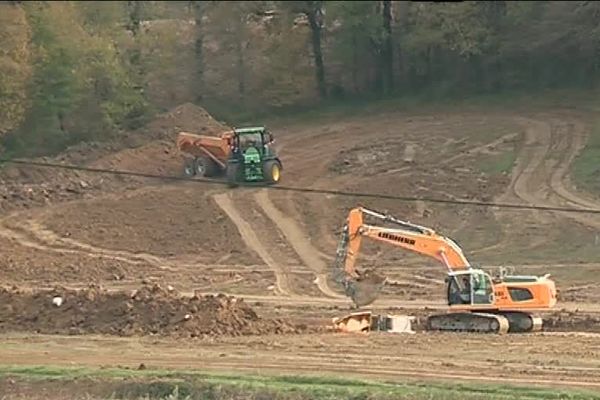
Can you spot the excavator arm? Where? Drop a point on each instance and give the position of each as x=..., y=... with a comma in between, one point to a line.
x=364, y=287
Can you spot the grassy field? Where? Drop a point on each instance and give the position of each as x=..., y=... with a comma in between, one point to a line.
x=125, y=383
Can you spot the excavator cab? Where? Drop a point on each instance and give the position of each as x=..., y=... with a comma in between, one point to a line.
x=470, y=287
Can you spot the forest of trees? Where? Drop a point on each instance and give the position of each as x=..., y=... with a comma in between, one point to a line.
x=87, y=70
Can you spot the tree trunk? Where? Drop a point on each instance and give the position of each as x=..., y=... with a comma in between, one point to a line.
x=198, y=7
x=315, y=20
x=387, y=55
x=61, y=121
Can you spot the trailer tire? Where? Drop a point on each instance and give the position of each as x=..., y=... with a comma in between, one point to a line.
x=189, y=167
x=205, y=167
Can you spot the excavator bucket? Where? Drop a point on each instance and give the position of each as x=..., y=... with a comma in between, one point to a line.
x=359, y=322
x=366, y=288
x=365, y=322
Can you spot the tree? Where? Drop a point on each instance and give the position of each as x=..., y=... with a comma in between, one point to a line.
x=314, y=13
x=15, y=67
x=230, y=29
x=135, y=10
x=356, y=39
x=313, y=10
x=54, y=88
x=387, y=53
x=80, y=88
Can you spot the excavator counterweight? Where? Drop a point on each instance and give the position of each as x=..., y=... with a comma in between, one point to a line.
x=477, y=302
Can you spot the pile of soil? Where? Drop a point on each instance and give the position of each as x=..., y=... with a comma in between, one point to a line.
x=151, y=310
x=185, y=117
x=158, y=152
x=150, y=149
x=571, y=321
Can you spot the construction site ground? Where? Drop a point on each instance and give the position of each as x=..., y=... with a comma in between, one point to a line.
x=64, y=230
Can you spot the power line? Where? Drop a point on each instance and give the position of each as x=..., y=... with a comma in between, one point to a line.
x=304, y=190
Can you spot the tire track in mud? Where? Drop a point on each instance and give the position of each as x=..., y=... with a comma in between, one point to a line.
x=27, y=232
x=576, y=140
x=299, y=242
x=32, y=234
x=526, y=164
x=533, y=179
x=319, y=163
x=541, y=169
x=282, y=284
x=36, y=237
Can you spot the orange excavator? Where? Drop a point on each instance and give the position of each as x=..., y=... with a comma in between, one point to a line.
x=477, y=301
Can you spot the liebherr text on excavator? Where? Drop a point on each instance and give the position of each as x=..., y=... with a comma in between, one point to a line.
x=477, y=302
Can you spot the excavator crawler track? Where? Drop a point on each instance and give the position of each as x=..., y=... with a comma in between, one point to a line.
x=468, y=322
x=520, y=322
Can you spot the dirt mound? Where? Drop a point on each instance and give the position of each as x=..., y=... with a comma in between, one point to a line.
x=571, y=321
x=186, y=117
x=150, y=310
x=150, y=149
x=160, y=155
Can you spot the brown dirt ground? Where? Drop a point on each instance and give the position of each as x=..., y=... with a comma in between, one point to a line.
x=277, y=250
x=130, y=223
x=149, y=310
x=150, y=149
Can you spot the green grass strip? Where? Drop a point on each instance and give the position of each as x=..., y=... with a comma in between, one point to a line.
x=160, y=384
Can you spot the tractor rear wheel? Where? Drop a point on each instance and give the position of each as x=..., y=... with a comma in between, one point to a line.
x=205, y=166
x=272, y=171
x=189, y=167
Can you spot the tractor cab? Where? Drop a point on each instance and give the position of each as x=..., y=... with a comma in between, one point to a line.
x=255, y=139
x=252, y=156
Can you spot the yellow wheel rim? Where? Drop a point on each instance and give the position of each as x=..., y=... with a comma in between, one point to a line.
x=275, y=173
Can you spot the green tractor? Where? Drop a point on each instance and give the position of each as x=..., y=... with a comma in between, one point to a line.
x=242, y=155
x=252, y=157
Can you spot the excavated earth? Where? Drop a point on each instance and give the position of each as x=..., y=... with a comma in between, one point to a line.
x=150, y=310
x=150, y=150
x=253, y=265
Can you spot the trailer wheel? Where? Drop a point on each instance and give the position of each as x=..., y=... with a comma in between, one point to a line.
x=205, y=166
x=189, y=168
